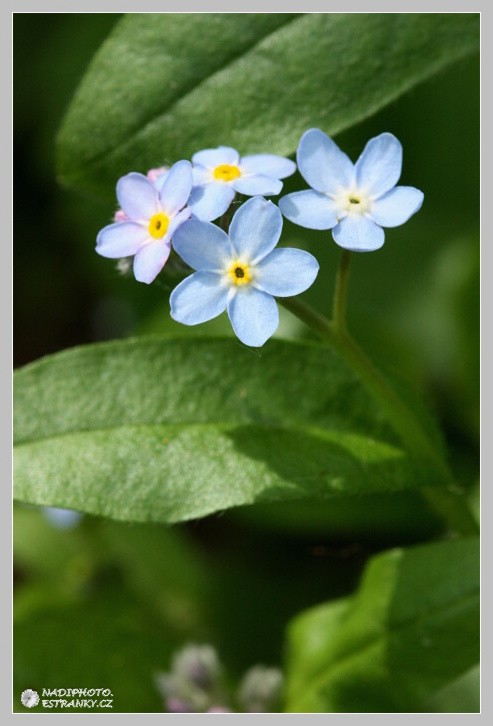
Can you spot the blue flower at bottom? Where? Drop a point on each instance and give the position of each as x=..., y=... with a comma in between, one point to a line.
x=240, y=272
x=62, y=518
x=354, y=200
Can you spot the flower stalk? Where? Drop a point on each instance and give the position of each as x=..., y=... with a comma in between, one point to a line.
x=340, y=293
x=448, y=500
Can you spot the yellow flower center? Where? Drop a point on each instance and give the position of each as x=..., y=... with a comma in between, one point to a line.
x=353, y=202
x=239, y=273
x=158, y=225
x=226, y=172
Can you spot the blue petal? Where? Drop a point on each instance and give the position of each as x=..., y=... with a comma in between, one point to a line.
x=271, y=165
x=379, y=167
x=137, y=196
x=309, y=209
x=211, y=201
x=321, y=162
x=254, y=316
x=121, y=239
x=201, y=175
x=178, y=220
x=286, y=271
x=395, y=207
x=257, y=184
x=215, y=157
x=198, y=298
x=157, y=176
x=150, y=260
x=176, y=188
x=203, y=245
x=358, y=234
x=255, y=228
x=62, y=518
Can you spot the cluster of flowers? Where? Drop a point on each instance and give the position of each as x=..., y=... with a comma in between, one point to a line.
x=195, y=684
x=242, y=270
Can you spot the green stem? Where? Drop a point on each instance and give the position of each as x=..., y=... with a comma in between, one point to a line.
x=449, y=500
x=340, y=293
x=403, y=420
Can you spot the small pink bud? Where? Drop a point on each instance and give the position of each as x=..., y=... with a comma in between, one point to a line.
x=154, y=174
x=120, y=216
x=176, y=705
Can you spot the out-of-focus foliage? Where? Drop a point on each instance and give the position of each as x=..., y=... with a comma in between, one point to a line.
x=412, y=627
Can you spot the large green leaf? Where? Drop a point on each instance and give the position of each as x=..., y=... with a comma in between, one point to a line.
x=166, y=85
x=412, y=627
x=152, y=429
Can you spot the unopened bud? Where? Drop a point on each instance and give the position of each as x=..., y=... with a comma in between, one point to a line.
x=124, y=265
x=193, y=683
x=199, y=665
x=154, y=174
x=260, y=689
x=120, y=216
x=175, y=705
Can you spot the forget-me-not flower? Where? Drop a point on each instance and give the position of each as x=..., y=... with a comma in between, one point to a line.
x=62, y=518
x=219, y=173
x=354, y=200
x=240, y=272
x=153, y=175
x=153, y=212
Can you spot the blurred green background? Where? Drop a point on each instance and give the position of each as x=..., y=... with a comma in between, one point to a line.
x=143, y=591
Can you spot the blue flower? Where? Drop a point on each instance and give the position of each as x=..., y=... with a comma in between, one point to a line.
x=219, y=173
x=354, y=200
x=240, y=272
x=152, y=212
x=62, y=518
x=156, y=176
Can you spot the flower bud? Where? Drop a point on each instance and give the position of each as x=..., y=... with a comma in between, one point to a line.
x=260, y=689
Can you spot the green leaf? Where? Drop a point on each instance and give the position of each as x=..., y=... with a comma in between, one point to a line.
x=166, y=85
x=411, y=628
x=152, y=429
x=461, y=696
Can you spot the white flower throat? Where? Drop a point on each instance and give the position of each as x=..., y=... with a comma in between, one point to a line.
x=354, y=202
